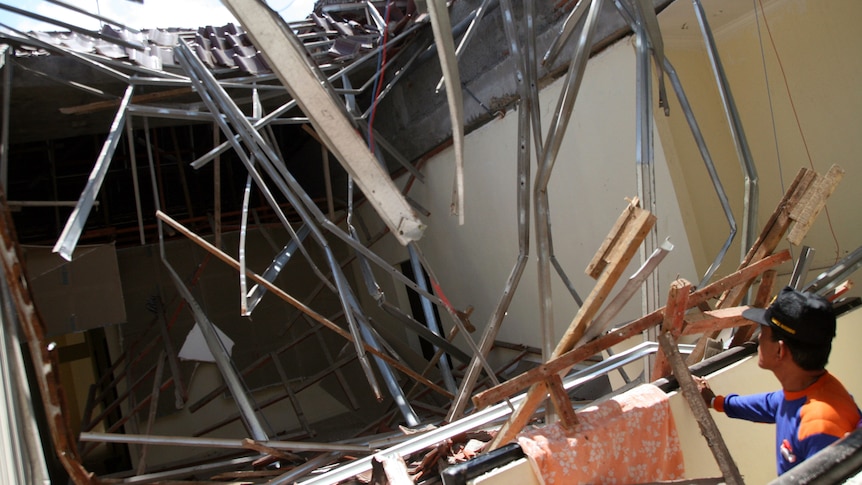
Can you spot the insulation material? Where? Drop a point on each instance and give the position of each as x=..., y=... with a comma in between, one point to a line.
x=630, y=438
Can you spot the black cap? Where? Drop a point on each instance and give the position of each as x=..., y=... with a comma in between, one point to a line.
x=802, y=317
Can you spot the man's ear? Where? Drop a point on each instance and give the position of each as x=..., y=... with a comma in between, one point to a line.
x=783, y=351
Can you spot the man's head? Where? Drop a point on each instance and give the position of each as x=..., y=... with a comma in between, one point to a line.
x=804, y=321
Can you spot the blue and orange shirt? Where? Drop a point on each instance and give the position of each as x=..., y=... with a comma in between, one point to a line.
x=806, y=421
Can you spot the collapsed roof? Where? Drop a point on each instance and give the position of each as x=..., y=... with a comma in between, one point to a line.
x=259, y=101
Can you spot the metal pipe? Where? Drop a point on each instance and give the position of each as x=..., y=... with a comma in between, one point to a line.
x=92, y=15
x=221, y=356
x=300, y=471
x=220, y=442
x=4, y=131
x=272, y=271
x=835, y=275
x=468, y=35
x=73, y=28
x=243, y=231
x=800, y=270
x=566, y=31
x=130, y=139
x=701, y=144
x=214, y=96
x=431, y=320
x=282, y=178
x=30, y=40
x=68, y=239
x=471, y=375
x=644, y=159
x=751, y=198
x=540, y=192
x=710, y=168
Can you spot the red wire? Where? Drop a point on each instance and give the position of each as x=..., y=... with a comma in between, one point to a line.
x=380, y=78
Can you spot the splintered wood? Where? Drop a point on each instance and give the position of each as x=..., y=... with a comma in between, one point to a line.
x=804, y=199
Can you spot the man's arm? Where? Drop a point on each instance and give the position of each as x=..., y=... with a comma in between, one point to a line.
x=760, y=408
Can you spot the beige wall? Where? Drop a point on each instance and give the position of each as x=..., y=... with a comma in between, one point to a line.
x=817, y=44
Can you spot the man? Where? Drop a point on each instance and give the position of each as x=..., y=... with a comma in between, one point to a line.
x=813, y=409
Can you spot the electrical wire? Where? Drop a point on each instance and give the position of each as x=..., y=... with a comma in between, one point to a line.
x=378, y=82
x=796, y=118
x=769, y=96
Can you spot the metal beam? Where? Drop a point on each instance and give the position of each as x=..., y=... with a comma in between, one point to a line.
x=68, y=239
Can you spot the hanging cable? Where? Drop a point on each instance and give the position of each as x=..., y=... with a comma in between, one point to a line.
x=769, y=96
x=378, y=81
x=798, y=123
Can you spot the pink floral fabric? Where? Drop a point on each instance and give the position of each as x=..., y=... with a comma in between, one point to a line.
x=628, y=439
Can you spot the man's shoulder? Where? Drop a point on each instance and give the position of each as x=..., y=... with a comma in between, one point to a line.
x=829, y=410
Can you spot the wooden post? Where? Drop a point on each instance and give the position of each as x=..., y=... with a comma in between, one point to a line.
x=698, y=407
x=674, y=313
x=562, y=403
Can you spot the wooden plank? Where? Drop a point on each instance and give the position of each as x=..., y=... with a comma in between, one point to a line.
x=674, y=314
x=815, y=200
x=521, y=416
x=565, y=361
x=562, y=403
x=599, y=261
x=698, y=407
x=618, y=259
x=717, y=320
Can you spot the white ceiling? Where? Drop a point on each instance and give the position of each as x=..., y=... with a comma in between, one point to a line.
x=679, y=23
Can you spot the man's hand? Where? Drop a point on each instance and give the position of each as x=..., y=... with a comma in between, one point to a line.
x=705, y=391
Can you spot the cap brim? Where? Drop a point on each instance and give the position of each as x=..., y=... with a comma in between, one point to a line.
x=756, y=315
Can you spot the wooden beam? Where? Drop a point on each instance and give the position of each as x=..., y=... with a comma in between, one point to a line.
x=715, y=320
x=620, y=254
x=625, y=238
x=599, y=261
x=562, y=403
x=674, y=315
x=701, y=413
